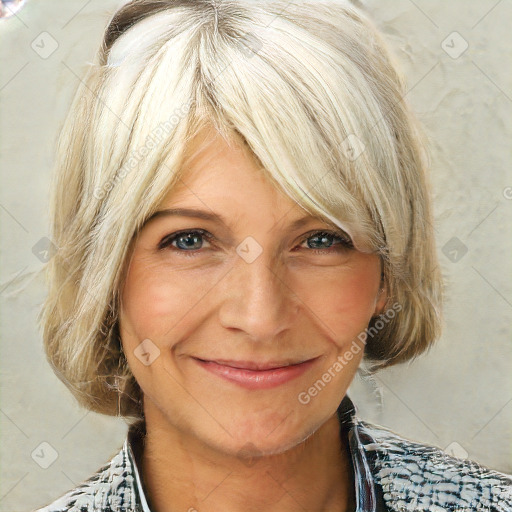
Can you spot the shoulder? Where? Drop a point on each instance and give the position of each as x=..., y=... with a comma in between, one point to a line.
x=420, y=477
x=110, y=489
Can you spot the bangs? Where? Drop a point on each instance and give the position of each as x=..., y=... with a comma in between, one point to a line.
x=279, y=88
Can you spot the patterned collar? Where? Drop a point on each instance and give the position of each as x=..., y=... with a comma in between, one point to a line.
x=368, y=496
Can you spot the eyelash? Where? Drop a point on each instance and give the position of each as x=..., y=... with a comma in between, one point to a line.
x=166, y=242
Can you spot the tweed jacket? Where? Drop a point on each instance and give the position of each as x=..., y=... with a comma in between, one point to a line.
x=391, y=473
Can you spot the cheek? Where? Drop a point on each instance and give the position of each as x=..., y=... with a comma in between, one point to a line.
x=344, y=299
x=357, y=293
x=155, y=299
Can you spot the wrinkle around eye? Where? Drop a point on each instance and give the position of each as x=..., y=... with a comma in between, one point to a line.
x=210, y=244
x=168, y=240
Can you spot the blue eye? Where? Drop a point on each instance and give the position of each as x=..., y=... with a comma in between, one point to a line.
x=186, y=241
x=328, y=238
x=191, y=242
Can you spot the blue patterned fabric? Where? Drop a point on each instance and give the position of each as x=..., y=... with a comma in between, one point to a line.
x=391, y=474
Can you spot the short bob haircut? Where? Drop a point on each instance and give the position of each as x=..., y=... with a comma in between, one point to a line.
x=310, y=87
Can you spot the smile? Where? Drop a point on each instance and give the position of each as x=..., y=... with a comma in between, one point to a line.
x=251, y=375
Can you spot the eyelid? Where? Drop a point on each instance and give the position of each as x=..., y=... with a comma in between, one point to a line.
x=166, y=240
x=329, y=231
x=334, y=232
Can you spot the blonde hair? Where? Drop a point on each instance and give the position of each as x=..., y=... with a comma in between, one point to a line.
x=310, y=87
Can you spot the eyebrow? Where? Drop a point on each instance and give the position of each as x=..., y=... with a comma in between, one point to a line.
x=216, y=217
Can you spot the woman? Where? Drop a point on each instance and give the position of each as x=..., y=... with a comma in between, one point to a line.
x=242, y=217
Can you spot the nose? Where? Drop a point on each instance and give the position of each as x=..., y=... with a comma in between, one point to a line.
x=258, y=300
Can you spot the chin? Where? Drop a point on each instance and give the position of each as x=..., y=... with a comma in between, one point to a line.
x=252, y=440
x=249, y=450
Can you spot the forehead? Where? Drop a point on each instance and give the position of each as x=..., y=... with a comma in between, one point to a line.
x=209, y=147
x=215, y=169
x=225, y=183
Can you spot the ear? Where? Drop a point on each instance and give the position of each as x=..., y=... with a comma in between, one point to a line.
x=381, y=299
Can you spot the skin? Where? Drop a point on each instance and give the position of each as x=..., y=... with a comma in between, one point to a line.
x=212, y=445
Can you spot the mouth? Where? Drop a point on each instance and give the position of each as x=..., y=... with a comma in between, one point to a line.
x=256, y=374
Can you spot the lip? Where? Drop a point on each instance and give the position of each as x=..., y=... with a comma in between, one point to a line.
x=256, y=375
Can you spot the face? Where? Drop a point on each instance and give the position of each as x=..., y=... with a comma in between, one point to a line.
x=231, y=317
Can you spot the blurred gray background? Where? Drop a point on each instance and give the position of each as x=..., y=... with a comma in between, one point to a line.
x=457, y=57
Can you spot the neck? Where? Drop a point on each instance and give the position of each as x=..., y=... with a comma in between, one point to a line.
x=180, y=473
